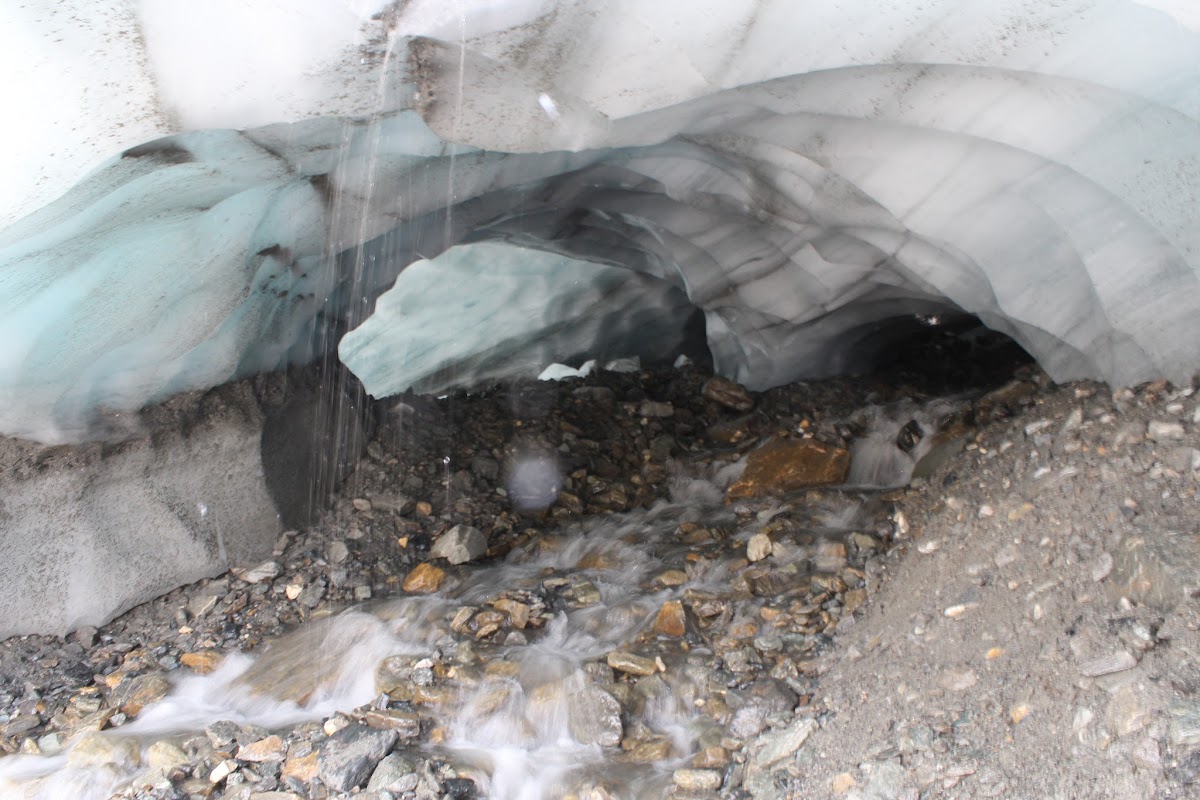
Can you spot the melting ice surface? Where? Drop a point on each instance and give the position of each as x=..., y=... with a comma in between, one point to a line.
x=535, y=722
x=830, y=168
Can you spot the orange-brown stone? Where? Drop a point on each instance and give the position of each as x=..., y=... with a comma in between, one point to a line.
x=787, y=466
x=670, y=620
x=201, y=661
x=424, y=579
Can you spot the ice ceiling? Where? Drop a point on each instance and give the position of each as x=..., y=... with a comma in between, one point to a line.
x=449, y=193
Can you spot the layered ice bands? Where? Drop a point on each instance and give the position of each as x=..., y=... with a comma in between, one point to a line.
x=518, y=201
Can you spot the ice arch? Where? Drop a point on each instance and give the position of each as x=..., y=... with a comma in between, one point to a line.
x=795, y=171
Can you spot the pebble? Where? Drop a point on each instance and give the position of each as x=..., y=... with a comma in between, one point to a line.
x=779, y=744
x=843, y=782
x=1102, y=567
x=272, y=748
x=697, y=780
x=654, y=409
x=425, y=578
x=959, y=680
x=1107, y=664
x=201, y=662
x=265, y=571
x=632, y=664
x=460, y=544
x=670, y=620
x=395, y=773
x=1162, y=431
x=338, y=552
x=759, y=547
x=725, y=392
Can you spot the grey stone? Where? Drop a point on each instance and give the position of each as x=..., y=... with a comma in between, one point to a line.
x=779, y=744
x=395, y=773
x=1162, y=431
x=460, y=544
x=697, y=780
x=348, y=758
x=595, y=717
x=1107, y=664
x=1184, y=729
x=1157, y=567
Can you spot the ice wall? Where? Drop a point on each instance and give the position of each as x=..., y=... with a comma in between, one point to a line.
x=801, y=172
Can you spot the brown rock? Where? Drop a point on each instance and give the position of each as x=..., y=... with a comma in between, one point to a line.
x=424, y=579
x=670, y=620
x=787, y=466
x=725, y=392
x=405, y=723
x=134, y=694
x=302, y=769
x=633, y=664
x=271, y=748
x=517, y=612
x=201, y=661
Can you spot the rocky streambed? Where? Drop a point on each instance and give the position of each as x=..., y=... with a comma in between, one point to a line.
x=648, y=583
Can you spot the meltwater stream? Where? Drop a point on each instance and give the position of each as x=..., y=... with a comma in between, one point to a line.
x=593, y=692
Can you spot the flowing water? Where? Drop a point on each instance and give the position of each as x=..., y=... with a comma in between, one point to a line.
x=533, y=716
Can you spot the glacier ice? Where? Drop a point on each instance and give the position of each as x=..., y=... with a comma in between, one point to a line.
x=529, y=181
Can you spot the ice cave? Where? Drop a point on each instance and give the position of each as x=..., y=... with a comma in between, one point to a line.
x=439, y=196
x=243, y=243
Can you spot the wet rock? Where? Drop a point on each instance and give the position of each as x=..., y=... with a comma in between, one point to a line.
x=790, y=465
x=670, y=620
x=759, y=547
x=425, y=578
x=727, y=393
x=165, y=756
x=96, y=750
x=133, y=694
x=594, y=717
x=349, y=757
x=460, y=544
x=396, y=773
x=909, y=436
x=406, y=724
x=632, y=664
x=201, y=661
x=697, y=780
